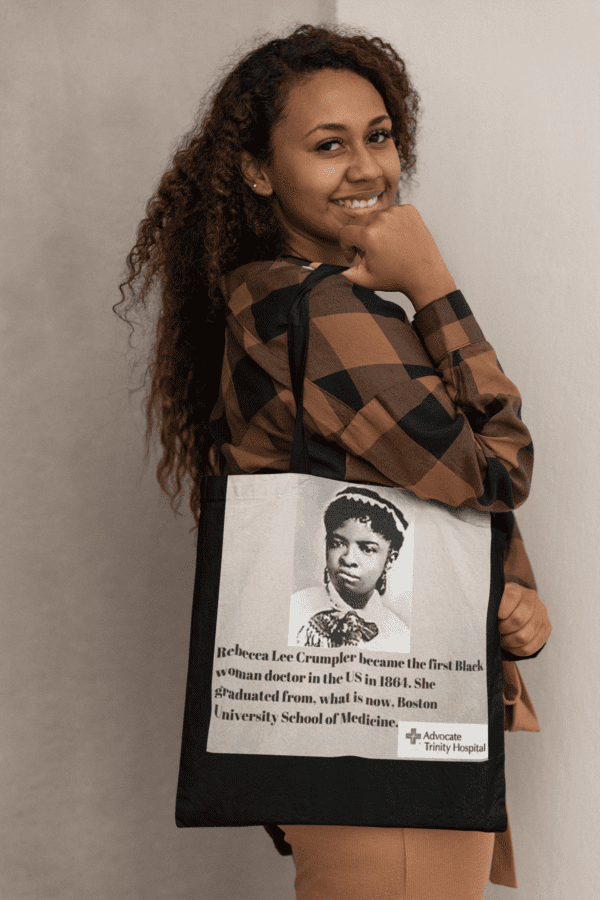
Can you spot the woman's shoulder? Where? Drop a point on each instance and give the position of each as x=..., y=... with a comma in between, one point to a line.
x=306, y=602
x=266, y=288
x=259, y=295
x=311, y=597
x=256, y=280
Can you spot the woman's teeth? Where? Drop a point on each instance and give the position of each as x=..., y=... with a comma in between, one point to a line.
x=358, y=204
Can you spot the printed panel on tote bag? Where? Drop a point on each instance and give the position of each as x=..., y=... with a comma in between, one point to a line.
x=344, y=662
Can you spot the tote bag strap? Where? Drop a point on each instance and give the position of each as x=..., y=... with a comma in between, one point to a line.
x=298, y=330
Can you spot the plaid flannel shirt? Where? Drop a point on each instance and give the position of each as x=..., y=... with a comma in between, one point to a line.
x=425, y=407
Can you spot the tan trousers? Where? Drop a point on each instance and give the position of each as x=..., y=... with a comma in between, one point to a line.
x=347, y=862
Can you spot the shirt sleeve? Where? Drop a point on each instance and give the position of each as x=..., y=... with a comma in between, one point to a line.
x=428, y=407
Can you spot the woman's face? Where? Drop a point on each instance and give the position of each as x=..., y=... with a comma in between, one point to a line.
x=356, y=557
x=333, y=143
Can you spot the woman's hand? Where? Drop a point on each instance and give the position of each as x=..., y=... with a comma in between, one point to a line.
x=523, y=620
x=397, y=253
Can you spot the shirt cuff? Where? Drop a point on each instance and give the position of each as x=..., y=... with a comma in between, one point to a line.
x=445, y=325
x=512, y=657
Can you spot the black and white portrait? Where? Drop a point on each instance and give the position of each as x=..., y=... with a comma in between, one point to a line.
x=355, y=604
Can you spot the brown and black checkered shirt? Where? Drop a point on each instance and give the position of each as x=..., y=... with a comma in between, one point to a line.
x=425, y=407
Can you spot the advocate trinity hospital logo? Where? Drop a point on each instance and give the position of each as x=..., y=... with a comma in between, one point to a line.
x=434, y=741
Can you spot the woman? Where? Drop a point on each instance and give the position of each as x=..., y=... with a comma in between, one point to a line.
x=297, y=162
x=364, y=534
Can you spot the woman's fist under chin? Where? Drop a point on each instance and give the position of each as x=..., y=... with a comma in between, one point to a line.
x=393, y=250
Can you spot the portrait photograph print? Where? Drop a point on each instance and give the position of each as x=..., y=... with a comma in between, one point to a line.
x=353, y=570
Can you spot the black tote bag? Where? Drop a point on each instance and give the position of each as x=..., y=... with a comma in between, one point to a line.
x=306, y=705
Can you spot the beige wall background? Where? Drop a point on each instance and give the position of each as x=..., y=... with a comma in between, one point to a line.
x=97, y=574
x=508, y=183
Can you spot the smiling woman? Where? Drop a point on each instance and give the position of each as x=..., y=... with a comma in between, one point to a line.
x=320, y=185
x=294, y=163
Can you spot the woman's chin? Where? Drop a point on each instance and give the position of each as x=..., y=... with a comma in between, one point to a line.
x=351, y=595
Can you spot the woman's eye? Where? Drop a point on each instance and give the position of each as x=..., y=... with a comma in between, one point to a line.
x=327, y=145
x=383, y=133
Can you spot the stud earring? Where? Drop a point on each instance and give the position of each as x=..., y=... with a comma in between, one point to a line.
x=253, y=185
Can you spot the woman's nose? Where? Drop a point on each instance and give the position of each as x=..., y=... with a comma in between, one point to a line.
x=349, y=557
x=363, y=166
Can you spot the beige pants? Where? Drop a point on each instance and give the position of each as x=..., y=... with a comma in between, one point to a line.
x=347, y=862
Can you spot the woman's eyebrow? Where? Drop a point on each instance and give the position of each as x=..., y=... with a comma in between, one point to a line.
x=337, y=126
x=340, y=537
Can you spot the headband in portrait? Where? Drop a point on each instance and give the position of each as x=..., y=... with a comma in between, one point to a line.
x=364, y=495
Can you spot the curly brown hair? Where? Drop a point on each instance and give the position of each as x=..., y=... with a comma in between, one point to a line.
x=203, y=220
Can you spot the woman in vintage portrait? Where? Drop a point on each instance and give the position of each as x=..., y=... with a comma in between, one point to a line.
x=364, y=535
x=298, y=160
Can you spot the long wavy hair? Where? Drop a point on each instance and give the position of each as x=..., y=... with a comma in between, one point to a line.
x=203, y=221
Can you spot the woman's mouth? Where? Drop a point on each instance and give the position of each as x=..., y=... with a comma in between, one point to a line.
x=345, y=576
x=360, y=205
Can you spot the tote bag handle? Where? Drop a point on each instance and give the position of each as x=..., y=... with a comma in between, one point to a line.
x=298, y=330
